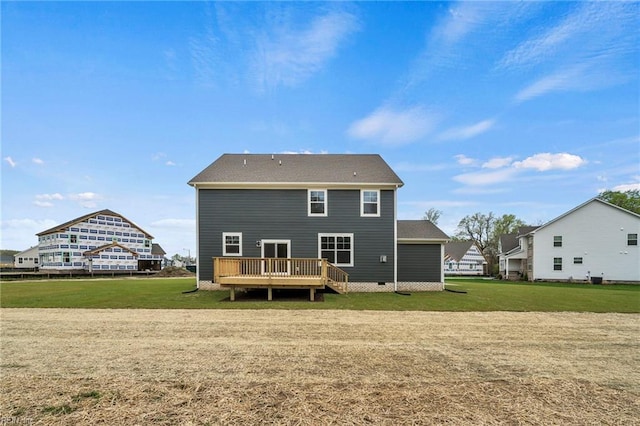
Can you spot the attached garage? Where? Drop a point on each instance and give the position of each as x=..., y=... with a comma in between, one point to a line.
x=420, y=255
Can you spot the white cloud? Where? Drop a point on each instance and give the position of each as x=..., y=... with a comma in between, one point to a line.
x=467, y=132
x=485, y=178
x=170, y=163
x=40, y=203
x=286, y=57
x=592, y=29
x=497, y=162
x=86, y=199
x=464, y=160
x=394, y=127
x=627, y=187
x=55, y=196
x=158, y=156
x=10, y=161
x=37, y=161
x=588, y=49
x=565, y=80
x=547, y=161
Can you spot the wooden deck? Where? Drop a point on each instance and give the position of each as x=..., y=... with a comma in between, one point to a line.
x=292, y=273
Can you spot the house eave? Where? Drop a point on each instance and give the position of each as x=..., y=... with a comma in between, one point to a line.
x=293, y=185
x=422, y=241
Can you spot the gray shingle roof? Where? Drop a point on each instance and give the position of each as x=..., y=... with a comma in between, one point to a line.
x=342, y=169
x=508, y=242
x=457, y=249
x=420, y=230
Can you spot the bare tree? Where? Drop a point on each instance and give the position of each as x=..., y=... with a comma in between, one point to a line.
x=485, y=230
x=432, y=215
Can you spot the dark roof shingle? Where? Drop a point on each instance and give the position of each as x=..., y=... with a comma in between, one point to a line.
x=420, y=230
x=298, y=168
x=457, y=249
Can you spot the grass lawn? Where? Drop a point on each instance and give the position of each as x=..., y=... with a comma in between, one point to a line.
x=482, y=295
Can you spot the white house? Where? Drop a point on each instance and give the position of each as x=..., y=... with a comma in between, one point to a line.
x=594, y=241
x=463, y=258
x=26, y=259
x=103, y=240
x=514, y=253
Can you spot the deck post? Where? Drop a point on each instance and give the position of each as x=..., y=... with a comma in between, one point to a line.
x=323, y=271
x=232, y=293
x=269, y=294
x=312, y=294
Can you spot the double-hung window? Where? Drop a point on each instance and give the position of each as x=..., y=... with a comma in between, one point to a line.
x=369, y=202
x=232, y=243
x=557, y=240
x=557, y=264
x=632, y=239
x=336, y=248
x=317, y=201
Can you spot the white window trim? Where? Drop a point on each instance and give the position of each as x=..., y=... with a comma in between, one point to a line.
x=224, y=243
x=326, y=202
x=340, y=234
x=362, y=213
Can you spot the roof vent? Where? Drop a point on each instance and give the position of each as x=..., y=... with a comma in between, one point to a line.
x=355, y=174
x=272, y=157
x=244, y=162
x=280, y=162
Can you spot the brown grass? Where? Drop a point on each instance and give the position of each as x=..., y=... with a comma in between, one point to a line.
x=68, y=366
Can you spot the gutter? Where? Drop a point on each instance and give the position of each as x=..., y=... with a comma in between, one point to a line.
x=395, y=239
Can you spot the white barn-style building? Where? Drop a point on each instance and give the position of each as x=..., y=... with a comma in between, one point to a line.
x=99, y=241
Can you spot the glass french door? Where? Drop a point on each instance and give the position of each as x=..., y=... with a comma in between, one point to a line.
x=276, y=254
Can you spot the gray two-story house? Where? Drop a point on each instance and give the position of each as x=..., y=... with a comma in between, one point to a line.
x=341, y=208
x=281, y=220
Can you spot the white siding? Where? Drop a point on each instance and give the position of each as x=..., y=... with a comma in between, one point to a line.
x=26, y=259
x=470, y=264
x=595, y=232
x=65, y=250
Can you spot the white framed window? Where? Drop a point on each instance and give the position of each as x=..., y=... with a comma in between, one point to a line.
x=232, y=243
x=557, y=264
x=336, y=248
x=370, y=203
x=317, y=202
x=632, y=239
x=557, y=240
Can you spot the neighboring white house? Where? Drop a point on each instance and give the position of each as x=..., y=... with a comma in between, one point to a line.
x=463, y=258
x=594, y=241
x=26, y=259
x=103, y=240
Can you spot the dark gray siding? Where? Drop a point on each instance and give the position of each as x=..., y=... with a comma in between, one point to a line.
x=282, y=214
x=419, y=262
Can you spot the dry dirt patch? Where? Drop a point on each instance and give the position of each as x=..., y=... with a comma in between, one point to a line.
x=67, y=366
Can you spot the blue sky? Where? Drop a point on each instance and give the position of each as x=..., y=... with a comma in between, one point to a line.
x=527, y=108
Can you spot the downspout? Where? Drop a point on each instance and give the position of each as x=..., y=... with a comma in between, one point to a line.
x=198, y=269
x=395, y=239
x=442, y=264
